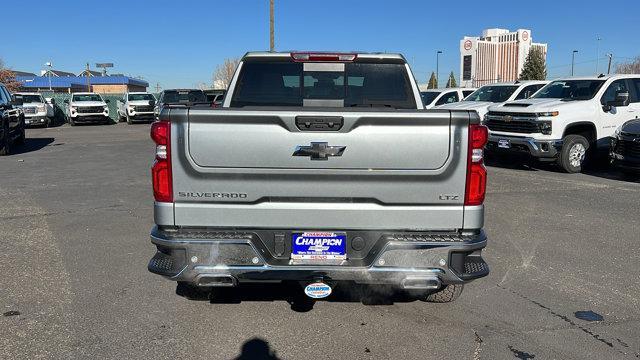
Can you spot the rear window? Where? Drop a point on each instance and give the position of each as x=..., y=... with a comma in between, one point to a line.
x=323, y=84
x=184, y=97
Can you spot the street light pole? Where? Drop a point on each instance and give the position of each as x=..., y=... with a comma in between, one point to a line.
x=438, y=67
x=609, y=67
x=272, y=44
x=48, y=63
x=573, y=60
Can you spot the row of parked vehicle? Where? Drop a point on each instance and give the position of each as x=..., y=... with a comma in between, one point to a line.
x=26, y=109
x=566, y=121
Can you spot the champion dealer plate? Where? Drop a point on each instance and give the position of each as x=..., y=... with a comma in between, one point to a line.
x=318, y=246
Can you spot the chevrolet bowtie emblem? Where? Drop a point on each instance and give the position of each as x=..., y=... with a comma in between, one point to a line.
x=507, y=118
x=319, y=151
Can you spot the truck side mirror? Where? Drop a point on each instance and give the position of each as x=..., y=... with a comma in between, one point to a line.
x=107, y=101
x=66, y=101
x=52, y=101
x=622, y=99
x=152, y=103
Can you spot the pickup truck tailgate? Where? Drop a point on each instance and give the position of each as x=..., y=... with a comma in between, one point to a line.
x=380, y=169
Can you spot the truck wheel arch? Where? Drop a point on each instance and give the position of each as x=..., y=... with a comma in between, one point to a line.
x=585, y=128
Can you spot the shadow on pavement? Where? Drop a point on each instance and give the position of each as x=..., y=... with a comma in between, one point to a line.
x=31, y=144
x=256, y=349
x=293, y=293
x=600, y=167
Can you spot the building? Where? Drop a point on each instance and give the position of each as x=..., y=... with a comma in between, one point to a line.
x=497, y=56
x=112, y=84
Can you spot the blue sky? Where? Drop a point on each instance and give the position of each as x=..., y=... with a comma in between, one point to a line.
x=179, y=43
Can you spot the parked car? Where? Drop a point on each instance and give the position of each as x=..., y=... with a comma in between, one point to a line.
x=86, y=107
x=435, y=97
x=136, y=106
x=625, y=146
x=36, y=110
x=567, y=121
x=12, y=121
x=215, y=96
x=313, y=184
x=488, y=95
x=181, y=97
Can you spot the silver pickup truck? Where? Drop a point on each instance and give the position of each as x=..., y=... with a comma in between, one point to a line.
x=320, y=169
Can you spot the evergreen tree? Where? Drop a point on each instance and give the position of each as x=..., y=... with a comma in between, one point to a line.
x=534, y=67
x=432, y=81
x=451, y=83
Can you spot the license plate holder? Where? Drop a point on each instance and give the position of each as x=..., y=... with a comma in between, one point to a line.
x=504, y=143
x=319, y=245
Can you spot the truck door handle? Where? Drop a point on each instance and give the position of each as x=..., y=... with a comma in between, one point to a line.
x=319, y=123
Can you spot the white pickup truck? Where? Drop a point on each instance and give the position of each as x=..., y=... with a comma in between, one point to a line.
x=87, y=107
x=488, y=95
x=566, y=119
x=36, y=110
x=136, y=106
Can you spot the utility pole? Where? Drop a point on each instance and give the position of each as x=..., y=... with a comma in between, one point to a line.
x=437, y=67
x=609, y=67
x=597, y=53
x=88, y=79
x=573, y=60
x=272, y=43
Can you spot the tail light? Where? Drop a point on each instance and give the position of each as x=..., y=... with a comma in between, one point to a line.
x=161, y=170
x=476, y=172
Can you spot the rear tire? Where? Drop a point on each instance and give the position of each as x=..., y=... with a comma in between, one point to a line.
x=573, y=154
x=5, y=141
x=21, y=139
x=447, y=294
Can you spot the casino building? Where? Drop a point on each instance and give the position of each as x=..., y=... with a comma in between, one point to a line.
x=496, y=56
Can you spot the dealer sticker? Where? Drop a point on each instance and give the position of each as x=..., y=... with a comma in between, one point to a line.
x=318, y=246
x=317, y=290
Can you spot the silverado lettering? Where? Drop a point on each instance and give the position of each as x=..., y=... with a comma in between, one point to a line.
x=211, y=195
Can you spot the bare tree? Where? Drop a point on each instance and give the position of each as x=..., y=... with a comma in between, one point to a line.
x=8, y=78
x=224, y=73
x=631, y=67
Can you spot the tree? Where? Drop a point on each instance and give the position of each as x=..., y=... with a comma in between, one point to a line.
x=433, y=83
x=631, y=67
x=535, y=67
x=224, y=73
x=451, y=83
x=8, y=78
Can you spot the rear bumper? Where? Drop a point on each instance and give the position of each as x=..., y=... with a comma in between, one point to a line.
x=536, y=148
x=405, y=259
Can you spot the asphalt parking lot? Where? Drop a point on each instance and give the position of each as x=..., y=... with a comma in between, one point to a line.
x=75, y=216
